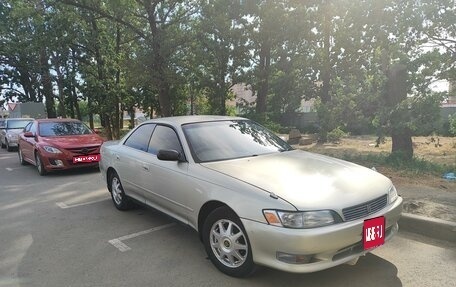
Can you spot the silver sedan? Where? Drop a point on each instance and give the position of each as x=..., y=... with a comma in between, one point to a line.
x=251, y=197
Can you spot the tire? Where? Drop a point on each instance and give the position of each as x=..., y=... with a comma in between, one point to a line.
x=227, y=244
x=8, y=148
x=119, y=198
x=21, y=157
x=3, y=145
x=39, y=165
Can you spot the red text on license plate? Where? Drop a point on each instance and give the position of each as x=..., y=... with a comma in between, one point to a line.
x=86, y=158
x=374, y=232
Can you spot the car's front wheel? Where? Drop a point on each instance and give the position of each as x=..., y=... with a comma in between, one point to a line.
x=40, y=165
x=8, y=147
x=21, y=156
x=119, y=198
x=227, y=244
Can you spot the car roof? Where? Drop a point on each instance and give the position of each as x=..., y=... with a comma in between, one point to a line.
x=19, y=119
x=182, y=120
x=57, y=120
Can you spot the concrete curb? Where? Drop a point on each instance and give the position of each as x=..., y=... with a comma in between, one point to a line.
x=430, y=227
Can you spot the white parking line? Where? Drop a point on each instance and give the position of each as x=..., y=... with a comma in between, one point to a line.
x=63, y=205
x=117, y=242
x=11, y=169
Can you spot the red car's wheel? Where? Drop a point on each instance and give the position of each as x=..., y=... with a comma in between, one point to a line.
x=40, y=165
x=21, y=156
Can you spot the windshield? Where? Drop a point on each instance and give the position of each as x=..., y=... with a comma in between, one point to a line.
x=63, y=129
x=17, y=124
x=221, y=140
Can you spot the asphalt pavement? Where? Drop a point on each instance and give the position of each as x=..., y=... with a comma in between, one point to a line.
x=63, y=230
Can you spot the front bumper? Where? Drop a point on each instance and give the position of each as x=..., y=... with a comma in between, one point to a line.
x=12, y=142
x=325, y=246
x=64, y=161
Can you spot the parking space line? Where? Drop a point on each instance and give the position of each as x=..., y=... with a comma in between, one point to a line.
x=63, y=205
x=122, y=247
x=11, y=169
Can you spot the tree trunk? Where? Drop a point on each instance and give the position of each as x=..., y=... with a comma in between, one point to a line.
x=402, y=143
x=47, y=84
x=62, y=108
x=264, y=67
x=158, y=61
x=89, y=107
x=396, y=93
x=326, y=65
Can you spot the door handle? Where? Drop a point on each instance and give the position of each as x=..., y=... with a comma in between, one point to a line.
x=145, y=167
x=117, y=157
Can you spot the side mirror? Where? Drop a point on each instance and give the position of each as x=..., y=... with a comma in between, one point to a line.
x=29, y=135
x=169, y=155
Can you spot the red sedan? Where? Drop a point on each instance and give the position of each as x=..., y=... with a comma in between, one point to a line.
x=59, y=144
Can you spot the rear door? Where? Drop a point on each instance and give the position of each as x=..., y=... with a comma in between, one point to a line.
x=129, y=161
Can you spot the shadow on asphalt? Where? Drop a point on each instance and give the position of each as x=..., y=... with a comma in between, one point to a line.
x=370, y=270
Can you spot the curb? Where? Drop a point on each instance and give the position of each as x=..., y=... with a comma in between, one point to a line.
x=430, y=227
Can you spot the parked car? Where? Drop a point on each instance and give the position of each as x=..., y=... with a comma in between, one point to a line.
x=252, y=198
x=9, y=134
x=59, y=144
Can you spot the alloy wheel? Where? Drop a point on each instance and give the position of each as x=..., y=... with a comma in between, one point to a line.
x=229, y=243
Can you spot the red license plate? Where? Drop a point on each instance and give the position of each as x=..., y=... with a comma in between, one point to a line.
x=374, y=232
x=86, y=158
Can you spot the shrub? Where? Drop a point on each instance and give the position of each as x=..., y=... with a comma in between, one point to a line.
x=335, y=135
x=452, y=124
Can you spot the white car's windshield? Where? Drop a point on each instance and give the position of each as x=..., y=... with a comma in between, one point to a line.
x=17, y=124
x=221, y=140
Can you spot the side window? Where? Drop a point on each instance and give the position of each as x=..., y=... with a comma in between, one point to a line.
x=164, y=138
x=31, y=128
x=139, y=139
x=27, y=127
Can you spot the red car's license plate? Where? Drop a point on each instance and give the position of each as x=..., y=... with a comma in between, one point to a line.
x=374, y=232
x=86, y=158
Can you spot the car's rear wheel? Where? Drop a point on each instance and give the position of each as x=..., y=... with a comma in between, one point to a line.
x=119, y=198
x=227, y=244
x=40, y=165
x=21, y=156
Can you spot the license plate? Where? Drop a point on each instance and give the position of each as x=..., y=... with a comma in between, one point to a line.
x=374, y=232
x=86, y=158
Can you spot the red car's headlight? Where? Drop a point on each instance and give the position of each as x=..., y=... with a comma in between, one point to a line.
x=51, y=149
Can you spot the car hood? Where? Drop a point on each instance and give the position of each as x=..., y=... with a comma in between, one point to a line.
x=307, y=180
x=73, y=141
x=14, y=131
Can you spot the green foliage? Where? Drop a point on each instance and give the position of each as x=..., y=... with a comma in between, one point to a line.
x=452, y=124
x=336, y=135
x=182, y=57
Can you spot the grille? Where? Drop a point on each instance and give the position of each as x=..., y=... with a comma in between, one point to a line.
x=365, y=209
x=85, y=150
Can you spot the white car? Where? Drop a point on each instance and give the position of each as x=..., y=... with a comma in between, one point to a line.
x=9, y=133
x=252, y=198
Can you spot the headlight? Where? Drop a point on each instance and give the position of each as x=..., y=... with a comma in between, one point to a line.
x=51, y=149
x=12, y=136
x=304, y=219
x=392, y=194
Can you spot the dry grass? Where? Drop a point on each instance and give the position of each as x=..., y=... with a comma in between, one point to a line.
x=440, y=151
